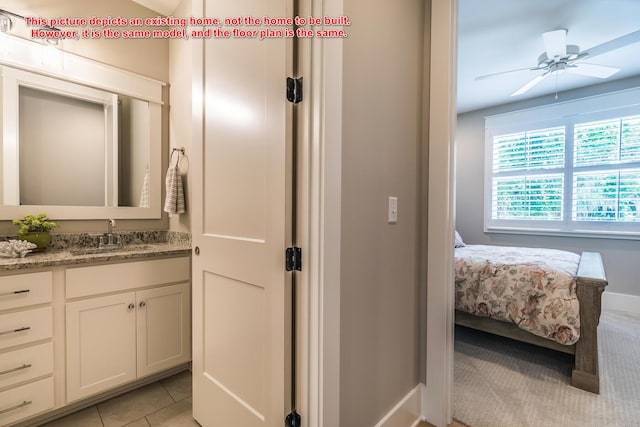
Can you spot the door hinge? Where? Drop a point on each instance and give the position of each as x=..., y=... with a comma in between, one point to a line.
x=292, y=420
x=293, y=259
x=294, y=90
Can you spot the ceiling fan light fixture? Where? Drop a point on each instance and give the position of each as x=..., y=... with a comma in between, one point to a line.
x=560, y=57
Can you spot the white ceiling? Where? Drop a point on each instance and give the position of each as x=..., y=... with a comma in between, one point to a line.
x=501, y=35
x=163, y=7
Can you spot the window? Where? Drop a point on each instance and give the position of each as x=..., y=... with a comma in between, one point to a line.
x=564, y=170
x=606, y=180
x=527, y=175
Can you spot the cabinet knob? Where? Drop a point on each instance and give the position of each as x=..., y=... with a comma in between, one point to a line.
x=142, y=304
x=131, y=306
x=197, y=250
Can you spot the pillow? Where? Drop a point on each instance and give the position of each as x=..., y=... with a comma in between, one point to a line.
x=458, y=243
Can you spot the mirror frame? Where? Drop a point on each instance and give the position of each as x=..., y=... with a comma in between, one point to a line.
x=30, y=56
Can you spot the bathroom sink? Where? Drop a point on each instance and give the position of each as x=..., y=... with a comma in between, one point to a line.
x=109, y=249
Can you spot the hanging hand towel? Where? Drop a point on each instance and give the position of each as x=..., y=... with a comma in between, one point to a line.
x=144, y=196
x=174, y=203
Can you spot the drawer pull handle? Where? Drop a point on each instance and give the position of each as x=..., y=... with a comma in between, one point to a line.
x=19, y=368
x=22, y=291
x=14, y=331
x=18, y=406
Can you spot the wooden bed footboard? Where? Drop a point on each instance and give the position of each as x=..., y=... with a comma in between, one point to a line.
x=590, y=283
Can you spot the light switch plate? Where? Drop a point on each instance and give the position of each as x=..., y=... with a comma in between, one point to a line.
x=393, y=210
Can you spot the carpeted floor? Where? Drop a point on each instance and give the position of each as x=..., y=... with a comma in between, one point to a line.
x=503, y=383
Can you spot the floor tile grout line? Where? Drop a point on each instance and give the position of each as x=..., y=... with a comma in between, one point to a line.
x=144, y=416
x=160, y=409
x=99, y=415
x=184, y=398
x=168, y=392
x=138, y=419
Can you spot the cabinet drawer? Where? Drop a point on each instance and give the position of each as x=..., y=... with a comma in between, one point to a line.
x=25, y=326
x=24, y=401
x=25, y=364
x=21, y=290
x=86, y=281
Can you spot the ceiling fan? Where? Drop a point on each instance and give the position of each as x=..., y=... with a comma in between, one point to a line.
x=560, y=57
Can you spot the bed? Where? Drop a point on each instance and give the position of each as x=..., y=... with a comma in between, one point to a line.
x=544, y=297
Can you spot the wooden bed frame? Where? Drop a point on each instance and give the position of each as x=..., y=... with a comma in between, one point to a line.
x=590, y=282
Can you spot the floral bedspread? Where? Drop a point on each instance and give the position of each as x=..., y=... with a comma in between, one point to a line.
x=533, y=288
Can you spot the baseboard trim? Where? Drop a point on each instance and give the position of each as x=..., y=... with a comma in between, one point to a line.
x=621, y=302
x=407, y=412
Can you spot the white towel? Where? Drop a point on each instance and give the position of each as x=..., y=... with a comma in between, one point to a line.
x=144, y=196
x=174, y=203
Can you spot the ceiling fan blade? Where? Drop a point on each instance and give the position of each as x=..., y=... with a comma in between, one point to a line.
x=529, y=85
x=555, y=42
x=488, y=76
x=613, y=44
x=593, y=70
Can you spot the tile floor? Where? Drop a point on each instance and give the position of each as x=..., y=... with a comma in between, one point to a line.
x=165, y=403
x=453, y=424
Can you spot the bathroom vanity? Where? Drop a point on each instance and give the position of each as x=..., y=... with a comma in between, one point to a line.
x=77, y=326
x=81, y=323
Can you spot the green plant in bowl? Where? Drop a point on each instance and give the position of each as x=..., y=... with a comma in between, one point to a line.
x=35, y=229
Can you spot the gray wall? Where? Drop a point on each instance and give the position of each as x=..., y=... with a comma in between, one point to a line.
x=180, y=117
x=379, y=296
x=620, y=256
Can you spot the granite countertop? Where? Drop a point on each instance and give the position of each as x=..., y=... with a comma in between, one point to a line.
x=72, y=255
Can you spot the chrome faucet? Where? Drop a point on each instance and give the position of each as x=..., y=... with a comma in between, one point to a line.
x=111, y=224
x=110, y=243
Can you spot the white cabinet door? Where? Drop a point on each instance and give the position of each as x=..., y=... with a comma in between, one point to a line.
x=101, y=344
x=164, y=328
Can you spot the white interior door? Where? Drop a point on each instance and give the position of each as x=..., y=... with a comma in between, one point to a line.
x=241, y=224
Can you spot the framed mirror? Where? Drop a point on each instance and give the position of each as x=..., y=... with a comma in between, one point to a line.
x=81, y=142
